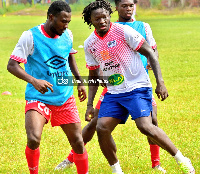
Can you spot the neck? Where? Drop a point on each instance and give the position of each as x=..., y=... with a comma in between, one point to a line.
x=120, y=19
x=103, y=33
x=48, y=31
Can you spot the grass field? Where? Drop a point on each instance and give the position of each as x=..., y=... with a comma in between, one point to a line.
x=177, y=37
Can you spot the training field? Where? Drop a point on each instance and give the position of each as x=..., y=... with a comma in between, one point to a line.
x=177, y=38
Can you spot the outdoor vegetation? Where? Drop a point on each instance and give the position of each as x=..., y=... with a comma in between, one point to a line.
x=177, y=36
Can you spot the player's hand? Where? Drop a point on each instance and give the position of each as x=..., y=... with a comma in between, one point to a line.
x=89, y=115
x=42, y=86
x=103, y=84
x=82, y=95
x=148, y=65
x=161, y=91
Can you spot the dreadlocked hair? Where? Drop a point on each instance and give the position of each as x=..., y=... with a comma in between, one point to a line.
x=93, y=6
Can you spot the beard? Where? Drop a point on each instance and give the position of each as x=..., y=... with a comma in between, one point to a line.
x=53, y=30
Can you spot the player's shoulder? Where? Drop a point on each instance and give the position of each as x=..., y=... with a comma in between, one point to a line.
x=146, y=25
x=27, y=33
x=69, y=32
x=26, y=36
x=117, y=25
x=120, y=28
x=90, y=38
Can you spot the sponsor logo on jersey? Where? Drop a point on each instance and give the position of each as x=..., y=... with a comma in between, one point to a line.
x=105, y=55
x=57, y=73
x=110, y=65
x=112, y=44
x=56, y=62
x=116, y=79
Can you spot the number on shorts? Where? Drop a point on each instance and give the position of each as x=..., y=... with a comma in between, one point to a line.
x=43, y=107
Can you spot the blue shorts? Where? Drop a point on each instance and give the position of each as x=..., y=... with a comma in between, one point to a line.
x=137, y=103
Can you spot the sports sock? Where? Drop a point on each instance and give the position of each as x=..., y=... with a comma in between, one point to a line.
x=32, y=157
x=81, y=162
x=179, y=157
x=70, y=156
x=116, y=168
x=155, y=154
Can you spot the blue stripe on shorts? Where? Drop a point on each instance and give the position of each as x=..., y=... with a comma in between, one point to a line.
x=137, y=103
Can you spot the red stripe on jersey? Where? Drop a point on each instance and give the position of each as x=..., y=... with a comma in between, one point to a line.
x=73, y=53
x=145, y=29
x=18, y=59
x=105, y=34
x=92, y=67
x=45, y=33
x=155, y=46
x=140, y=44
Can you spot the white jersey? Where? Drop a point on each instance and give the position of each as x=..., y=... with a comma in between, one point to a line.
x=25, y=45
x=116, y=55
x=149, y=36
x=148, y=32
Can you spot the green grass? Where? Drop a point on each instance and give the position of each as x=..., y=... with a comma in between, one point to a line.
x=177, y=37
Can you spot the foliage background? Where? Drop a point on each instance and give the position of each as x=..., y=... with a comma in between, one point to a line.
x=177, y=36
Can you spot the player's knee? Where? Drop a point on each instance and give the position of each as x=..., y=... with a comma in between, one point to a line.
x=102, y=130
x=77, y=145
x=146, y=129
x=33, y=141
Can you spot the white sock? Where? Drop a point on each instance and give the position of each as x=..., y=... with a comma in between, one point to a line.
x=179, y=157
x=116, y=168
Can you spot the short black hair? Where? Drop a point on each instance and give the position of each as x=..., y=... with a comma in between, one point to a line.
x=118, y=1
x=93, y=6
x=57, y=6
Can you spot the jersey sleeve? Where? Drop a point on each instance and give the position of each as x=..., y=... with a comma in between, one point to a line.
x=149, y=36
x=72, y=51
x=91, y=63
x=23, y=48
x=133, y=38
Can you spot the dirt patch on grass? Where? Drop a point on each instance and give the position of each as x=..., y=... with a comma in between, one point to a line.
x=30, y=12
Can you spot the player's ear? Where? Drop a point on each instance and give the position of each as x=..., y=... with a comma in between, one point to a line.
x=50, y=17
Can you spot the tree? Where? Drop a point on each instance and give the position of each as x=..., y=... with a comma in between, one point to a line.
x=169, y=3
x=182, y=3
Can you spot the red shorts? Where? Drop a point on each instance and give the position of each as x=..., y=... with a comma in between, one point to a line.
x=65, y=114
x=101, y=98
x=105, y=90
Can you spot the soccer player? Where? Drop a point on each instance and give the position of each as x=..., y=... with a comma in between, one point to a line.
x=47, y=52
x=115, y=48
x=125, y=10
